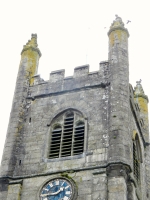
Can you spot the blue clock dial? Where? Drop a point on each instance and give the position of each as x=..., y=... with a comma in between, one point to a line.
x=57, y=189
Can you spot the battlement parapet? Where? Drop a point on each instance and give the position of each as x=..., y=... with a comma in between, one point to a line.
x=103, y=65
x=81, y=78
x=81, y=71
x=37, y=79
x=57, y=75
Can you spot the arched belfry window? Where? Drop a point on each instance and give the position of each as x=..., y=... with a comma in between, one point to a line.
x=137, y=158
x=67, y=135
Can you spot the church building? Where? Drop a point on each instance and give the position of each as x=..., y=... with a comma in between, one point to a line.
x=82, y=137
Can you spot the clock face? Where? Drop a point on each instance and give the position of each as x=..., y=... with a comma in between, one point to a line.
x=57, y=189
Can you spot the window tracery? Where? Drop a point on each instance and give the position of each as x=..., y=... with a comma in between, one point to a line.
x=67, y=135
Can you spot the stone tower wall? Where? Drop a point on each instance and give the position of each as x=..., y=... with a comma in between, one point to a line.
x=105, y=100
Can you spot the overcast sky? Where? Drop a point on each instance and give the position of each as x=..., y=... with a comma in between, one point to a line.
x=70, y=33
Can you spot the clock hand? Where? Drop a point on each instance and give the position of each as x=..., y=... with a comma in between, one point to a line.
x=54, y=193
x=61, y=189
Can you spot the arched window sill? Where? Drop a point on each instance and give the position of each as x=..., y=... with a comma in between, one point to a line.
x=65, y=158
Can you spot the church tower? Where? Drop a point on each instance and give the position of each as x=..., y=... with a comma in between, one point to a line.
x=82, y=137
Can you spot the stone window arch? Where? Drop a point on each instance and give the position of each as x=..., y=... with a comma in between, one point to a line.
x=67, y=135
x=137, y=158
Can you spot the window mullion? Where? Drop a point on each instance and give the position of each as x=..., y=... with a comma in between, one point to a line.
x=62, y=133
x=85, y=135
x=73, y=135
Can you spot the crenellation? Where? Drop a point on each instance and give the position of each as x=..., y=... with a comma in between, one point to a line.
x=59, y=83
x=104, y=63
x=57, y=75
x=58, y=80
x=37, y=79
x=81, y=71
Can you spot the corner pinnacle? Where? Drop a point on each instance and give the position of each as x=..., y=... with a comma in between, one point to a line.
x=138, y=90
x=117, y=24
x=32, y=44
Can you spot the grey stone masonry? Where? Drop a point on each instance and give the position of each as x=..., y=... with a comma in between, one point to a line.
x=86, y=130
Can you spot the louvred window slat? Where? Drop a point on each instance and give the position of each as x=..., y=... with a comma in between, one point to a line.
x=67, y=139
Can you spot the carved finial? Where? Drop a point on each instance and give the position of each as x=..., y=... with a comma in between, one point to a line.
x=139, y=82
x=116, y=16
x=34, y=35
x=138, y=88
x=117, y=22
x=32, y=44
